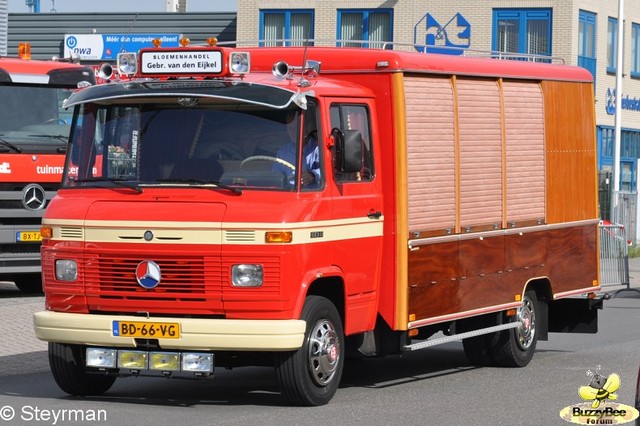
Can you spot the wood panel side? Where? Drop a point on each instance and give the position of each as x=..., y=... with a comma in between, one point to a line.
x=571, y=194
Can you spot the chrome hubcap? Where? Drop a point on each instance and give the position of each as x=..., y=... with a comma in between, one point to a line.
x=527, y=331
x=324, y=352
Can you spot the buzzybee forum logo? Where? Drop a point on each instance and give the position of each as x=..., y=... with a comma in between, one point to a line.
x=599, y=408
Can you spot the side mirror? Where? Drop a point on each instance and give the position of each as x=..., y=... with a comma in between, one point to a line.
x=348, y=150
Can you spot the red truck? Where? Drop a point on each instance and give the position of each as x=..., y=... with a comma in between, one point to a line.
x=34, y=129
x=294, y=206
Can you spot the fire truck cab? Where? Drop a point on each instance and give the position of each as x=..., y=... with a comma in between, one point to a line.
x=34, y=131
x=292, y=206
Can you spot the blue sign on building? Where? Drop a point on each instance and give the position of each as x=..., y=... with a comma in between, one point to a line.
x=99, y=47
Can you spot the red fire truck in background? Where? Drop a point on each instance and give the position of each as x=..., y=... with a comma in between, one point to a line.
x=295, y=206
x=34, y=130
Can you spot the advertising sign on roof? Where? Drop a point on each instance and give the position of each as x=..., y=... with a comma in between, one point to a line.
x=181, y=61
x=98, y=47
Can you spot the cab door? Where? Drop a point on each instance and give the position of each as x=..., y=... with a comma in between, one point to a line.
x=357, y=205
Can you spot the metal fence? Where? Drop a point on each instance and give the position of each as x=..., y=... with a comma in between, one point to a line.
x=614, y=255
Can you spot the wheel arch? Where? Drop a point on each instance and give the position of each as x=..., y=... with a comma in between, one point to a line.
x=331, y=288
x=544, y=294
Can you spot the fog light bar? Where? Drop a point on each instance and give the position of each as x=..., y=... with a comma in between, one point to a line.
x=165, y=361
x=136, y=360
x=100, y=357
x=197, y=362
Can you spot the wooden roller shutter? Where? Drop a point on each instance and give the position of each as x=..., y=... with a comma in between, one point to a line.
x=431, y=153
x=480, y=122
x=524, y=129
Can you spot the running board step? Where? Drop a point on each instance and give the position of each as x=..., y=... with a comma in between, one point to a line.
x=456, y=337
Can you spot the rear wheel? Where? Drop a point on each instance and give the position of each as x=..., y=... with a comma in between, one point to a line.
x=515, y=347
x=311, y=375
x=29, y=283
x=70, y=373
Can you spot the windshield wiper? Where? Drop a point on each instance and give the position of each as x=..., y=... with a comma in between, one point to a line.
x=206, y=184
x=120, y=182
x=62, y=138
x=10, y=146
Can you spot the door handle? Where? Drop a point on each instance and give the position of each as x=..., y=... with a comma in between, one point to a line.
x=374, y=214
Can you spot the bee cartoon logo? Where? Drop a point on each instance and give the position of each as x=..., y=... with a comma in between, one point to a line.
x=600, y=388
x=599, y=407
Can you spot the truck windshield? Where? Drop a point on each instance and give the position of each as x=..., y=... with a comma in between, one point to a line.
x=186, y=141
x=32, y=119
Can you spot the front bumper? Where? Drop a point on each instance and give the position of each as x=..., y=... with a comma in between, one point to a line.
x=196, y=333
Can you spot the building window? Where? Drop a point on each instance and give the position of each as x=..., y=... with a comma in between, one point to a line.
x=522, y=31
x=635, y=50
x=587, y=41
x=365, y=28
x=286, y=27
x=629, y=153
x=612, y=44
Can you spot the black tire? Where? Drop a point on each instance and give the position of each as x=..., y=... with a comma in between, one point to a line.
x=477, y=348
x=70, y=373
x=477, y=351
x=515, y=347
x=29, y=283
x=310, y=376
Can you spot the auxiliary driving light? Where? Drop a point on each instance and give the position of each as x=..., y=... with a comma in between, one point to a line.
x=165, y=361
x=100, y=357
x=239, y=62
x=197, y=362
x=127, y=63
x=136, y=360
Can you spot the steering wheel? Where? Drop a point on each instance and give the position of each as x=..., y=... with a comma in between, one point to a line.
x=268, y=158
x=55, y=121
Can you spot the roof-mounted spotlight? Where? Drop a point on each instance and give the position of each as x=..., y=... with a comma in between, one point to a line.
x=127, y=63
x=239, y=62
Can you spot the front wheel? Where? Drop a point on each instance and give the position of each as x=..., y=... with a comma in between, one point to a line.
x=29, y=283
x=70, y=373
x=310, y=376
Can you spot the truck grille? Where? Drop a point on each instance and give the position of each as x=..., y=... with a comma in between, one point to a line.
x=183, y=281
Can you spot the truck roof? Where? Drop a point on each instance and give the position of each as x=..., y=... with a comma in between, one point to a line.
x=33, y=71
x=359, y=60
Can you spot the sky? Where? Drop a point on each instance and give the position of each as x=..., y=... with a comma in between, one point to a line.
x=88, y=6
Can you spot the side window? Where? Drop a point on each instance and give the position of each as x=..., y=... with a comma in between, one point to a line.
x=347, y=117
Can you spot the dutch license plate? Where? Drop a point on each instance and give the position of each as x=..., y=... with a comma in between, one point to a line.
x=146, y=330
x=28, y=236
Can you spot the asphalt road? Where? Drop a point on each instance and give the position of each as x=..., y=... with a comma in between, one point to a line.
x=435, y=386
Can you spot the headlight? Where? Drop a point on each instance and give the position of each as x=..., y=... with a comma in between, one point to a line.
x=66, y=270
x=247, y=275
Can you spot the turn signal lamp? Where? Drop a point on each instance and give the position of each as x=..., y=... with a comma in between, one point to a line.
x=24, y=50
x=184, y=41
x=46, y=232
x=278, y=237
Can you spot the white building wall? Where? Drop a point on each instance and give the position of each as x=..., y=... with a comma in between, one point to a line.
x=408, y=15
